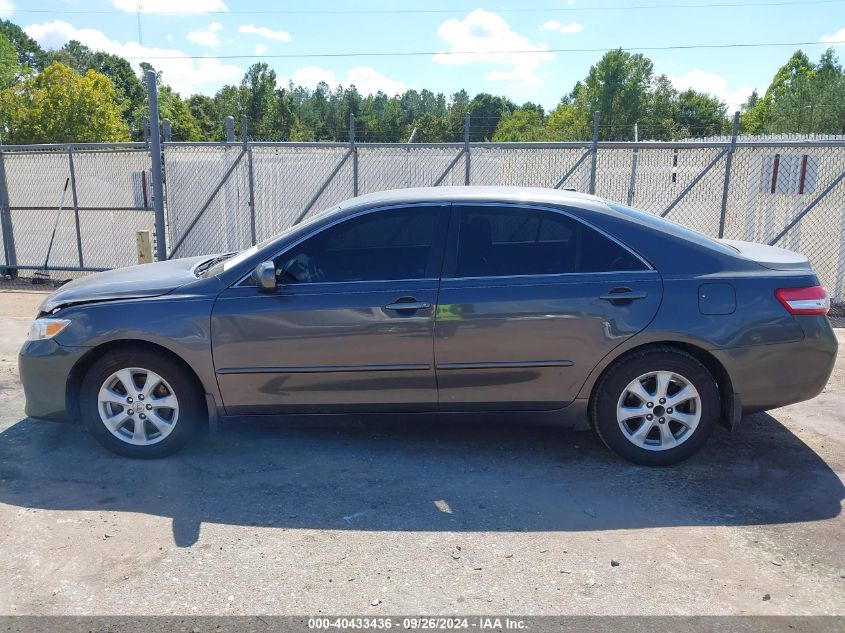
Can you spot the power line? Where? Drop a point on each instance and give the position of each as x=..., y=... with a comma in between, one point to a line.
x=505, y=52
x=640, y=7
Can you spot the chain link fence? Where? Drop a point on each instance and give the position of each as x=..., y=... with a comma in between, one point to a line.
x=96, y=196
x=223, y=197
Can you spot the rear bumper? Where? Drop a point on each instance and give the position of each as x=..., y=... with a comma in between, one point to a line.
x=771, y=376
x=44, y=370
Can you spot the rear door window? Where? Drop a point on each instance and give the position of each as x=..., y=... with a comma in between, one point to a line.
x=503, y=241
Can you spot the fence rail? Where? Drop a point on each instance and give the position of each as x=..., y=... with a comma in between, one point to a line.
x=225, y=196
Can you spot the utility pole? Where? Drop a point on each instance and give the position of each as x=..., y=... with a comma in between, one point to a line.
x=139, y=8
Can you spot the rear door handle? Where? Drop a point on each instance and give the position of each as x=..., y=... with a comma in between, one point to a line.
x=623, y=294
x=409, y=304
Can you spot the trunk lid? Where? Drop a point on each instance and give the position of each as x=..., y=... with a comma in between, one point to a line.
x=770, y=257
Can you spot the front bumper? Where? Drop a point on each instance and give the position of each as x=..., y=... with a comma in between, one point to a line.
x=45, y=367
x=775, y=375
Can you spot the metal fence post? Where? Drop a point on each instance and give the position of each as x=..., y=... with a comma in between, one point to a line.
x=11, y=259
x=354, y=149
x=467, y=130
x=595, y=150
x=728, y=163
x=250, y=177
x=634, y=157
x=167, y=130
x=75, y=200
x=230, y=129
x=156, y=159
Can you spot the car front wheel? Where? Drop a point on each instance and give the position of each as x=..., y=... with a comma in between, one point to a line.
x=139, y=404
x=656, y=407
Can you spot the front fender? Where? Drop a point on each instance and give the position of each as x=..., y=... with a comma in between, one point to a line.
x=178, y=323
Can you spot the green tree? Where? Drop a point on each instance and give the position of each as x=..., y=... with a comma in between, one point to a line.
x=700, y=114
x=827, y=109
x=564, y=124
x=258, y=101
x=751, y=117
x=660, y=120
x=523, y=124
x=380, y=119
x=486, y=111
x=458, y=109
x=129, y=90
x=802, y=97
x=74, y=55
x=430, y=129
x=10, y=69
x=301, y=133
x=204, y=111
x=170, y=106
x=618, y=87
x=60, y=105
x=30, y=54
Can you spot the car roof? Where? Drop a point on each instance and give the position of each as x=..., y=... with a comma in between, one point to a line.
x=474, y=193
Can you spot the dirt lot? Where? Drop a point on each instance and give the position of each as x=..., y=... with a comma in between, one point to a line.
x=410, y=517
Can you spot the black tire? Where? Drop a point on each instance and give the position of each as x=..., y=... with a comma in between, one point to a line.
x=614, y=383
x=191, y=411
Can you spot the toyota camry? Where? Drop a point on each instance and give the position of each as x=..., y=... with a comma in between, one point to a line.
x=467, y=300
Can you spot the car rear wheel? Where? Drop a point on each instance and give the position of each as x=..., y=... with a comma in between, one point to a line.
x=656, y=407
x=139, y=404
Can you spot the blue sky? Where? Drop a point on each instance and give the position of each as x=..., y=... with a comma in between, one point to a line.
x=175, y=31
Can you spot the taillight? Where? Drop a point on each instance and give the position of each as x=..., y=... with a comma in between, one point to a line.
x=809, y=300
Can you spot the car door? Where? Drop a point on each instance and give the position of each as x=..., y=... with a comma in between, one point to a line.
x=350, y=325
x=531, y=299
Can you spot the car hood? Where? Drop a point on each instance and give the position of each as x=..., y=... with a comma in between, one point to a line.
x=133, y=282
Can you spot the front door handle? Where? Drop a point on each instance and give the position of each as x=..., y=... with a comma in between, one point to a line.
x=622, y=294
x=408, y=304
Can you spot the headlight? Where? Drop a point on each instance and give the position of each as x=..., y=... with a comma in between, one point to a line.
x=46, y=328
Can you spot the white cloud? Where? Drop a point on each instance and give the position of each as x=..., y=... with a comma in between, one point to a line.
x=7, y=8
x=310, y=76
x=263, y=31
x=367, y=80
x=185, y=75
x=169, y=37
x=837, y=37
x=260, y=49
x=171, y=7
x=207, y=37
x=560, y=27
x=479, y=36
x=714, y=84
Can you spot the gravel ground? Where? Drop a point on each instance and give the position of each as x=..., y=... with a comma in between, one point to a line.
x=407, y=517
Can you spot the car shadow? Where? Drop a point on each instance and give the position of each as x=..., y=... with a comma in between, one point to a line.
x=341, y=474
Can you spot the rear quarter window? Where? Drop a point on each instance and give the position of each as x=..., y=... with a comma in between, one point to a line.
x=673, y=228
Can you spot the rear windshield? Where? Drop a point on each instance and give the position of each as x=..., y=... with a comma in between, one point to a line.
x=673, y=228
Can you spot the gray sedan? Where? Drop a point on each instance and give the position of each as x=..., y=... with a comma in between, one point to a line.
x=467, y=300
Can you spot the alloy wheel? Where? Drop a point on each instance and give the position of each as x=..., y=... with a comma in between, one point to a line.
x=659, y=410
x=138, y=406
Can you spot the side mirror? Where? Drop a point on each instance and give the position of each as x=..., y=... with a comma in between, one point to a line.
x=265, y=274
